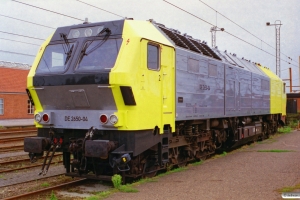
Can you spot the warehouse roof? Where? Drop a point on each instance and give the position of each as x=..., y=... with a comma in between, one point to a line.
x=14, y=65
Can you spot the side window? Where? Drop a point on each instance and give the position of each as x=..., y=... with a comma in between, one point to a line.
x=284, y=88
x=153, y=57
x=30, y=107
x=212, y=70
x=193, y=66
x=1, y=107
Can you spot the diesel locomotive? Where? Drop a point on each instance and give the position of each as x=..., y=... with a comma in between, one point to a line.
x=133, y=97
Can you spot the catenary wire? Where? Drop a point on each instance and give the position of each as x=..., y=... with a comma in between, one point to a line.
x=19, y=41
x=100, y=8
x=22, y=35
x=47, y=10
x=26, y=21
x=226, y=31
x=17, y=53
x=242, y=28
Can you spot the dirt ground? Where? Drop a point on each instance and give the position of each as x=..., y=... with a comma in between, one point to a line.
x=251, y=172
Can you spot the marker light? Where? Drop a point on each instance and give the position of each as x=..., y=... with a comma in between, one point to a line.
x=103, y=119
x=88, y=32
x=85, y=32
x=46, y=117
x=38, y=117
x=75, y=33
x=113, y=119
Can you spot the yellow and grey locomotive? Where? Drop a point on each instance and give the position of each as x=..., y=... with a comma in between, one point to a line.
x=134, y=97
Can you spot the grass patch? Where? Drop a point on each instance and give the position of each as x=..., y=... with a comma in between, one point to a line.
x=127, y=188
x=275, y=150
x=289, y=189
x=197, y=163
x=293, y=124
x=175, y=170
x=100, y=195
x=286, y=129
x=45, y=184
x=117, y=182
x=148, y=180
x=221, y=155
x=52, y=196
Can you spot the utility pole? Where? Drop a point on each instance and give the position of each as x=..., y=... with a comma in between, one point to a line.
x=277, y=25
x=290, y=80
x=213, y=31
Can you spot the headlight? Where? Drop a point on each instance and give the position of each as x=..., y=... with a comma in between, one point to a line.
x=37, y=118
x=113, y=119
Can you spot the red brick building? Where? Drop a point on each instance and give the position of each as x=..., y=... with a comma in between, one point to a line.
x=14, y=102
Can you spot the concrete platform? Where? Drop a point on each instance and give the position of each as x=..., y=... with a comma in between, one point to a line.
x=249, y=173
x=16, y=122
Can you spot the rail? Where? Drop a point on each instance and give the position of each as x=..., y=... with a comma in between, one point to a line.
x=29, y=194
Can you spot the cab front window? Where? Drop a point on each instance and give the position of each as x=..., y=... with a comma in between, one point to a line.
x=98, y=55
x=54, y=59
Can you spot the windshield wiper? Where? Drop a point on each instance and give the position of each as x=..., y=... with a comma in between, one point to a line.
x=66, y=47
x=86, y=45
x=108, y=32
x=82, y=53
x=69, y=53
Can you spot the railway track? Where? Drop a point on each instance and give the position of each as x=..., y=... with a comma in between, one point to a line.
x=30, y=194
x=27, y=181
x=24, y=160
x=10, y=133
x=27, y=167
x=12, y=148
x=13, y=139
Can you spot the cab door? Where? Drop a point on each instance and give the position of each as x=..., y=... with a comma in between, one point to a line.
x=157, y=83
x=168, y=85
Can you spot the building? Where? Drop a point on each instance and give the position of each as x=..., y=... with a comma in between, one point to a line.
x=293, y=103
x=14, y=102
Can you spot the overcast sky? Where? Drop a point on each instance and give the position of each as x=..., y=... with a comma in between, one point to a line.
x=251, y=15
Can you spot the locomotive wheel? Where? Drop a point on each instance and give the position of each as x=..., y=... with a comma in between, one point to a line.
x=181, y=160
x=150, y=168
x=203, y=158
x=170, y=167
x=200, y=157
x=150, y=172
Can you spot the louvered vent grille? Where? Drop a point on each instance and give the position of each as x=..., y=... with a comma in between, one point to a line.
x=200, y=46
x=211, y=52
x=174, y=38
x=190, y=44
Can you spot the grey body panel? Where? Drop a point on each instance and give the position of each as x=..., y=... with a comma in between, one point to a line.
x=77, y=97
x=77, y=106
x=200, y=88
x=209, y=88
x=77, y=119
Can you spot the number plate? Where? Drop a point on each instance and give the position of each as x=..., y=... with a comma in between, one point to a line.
x=75, y=118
